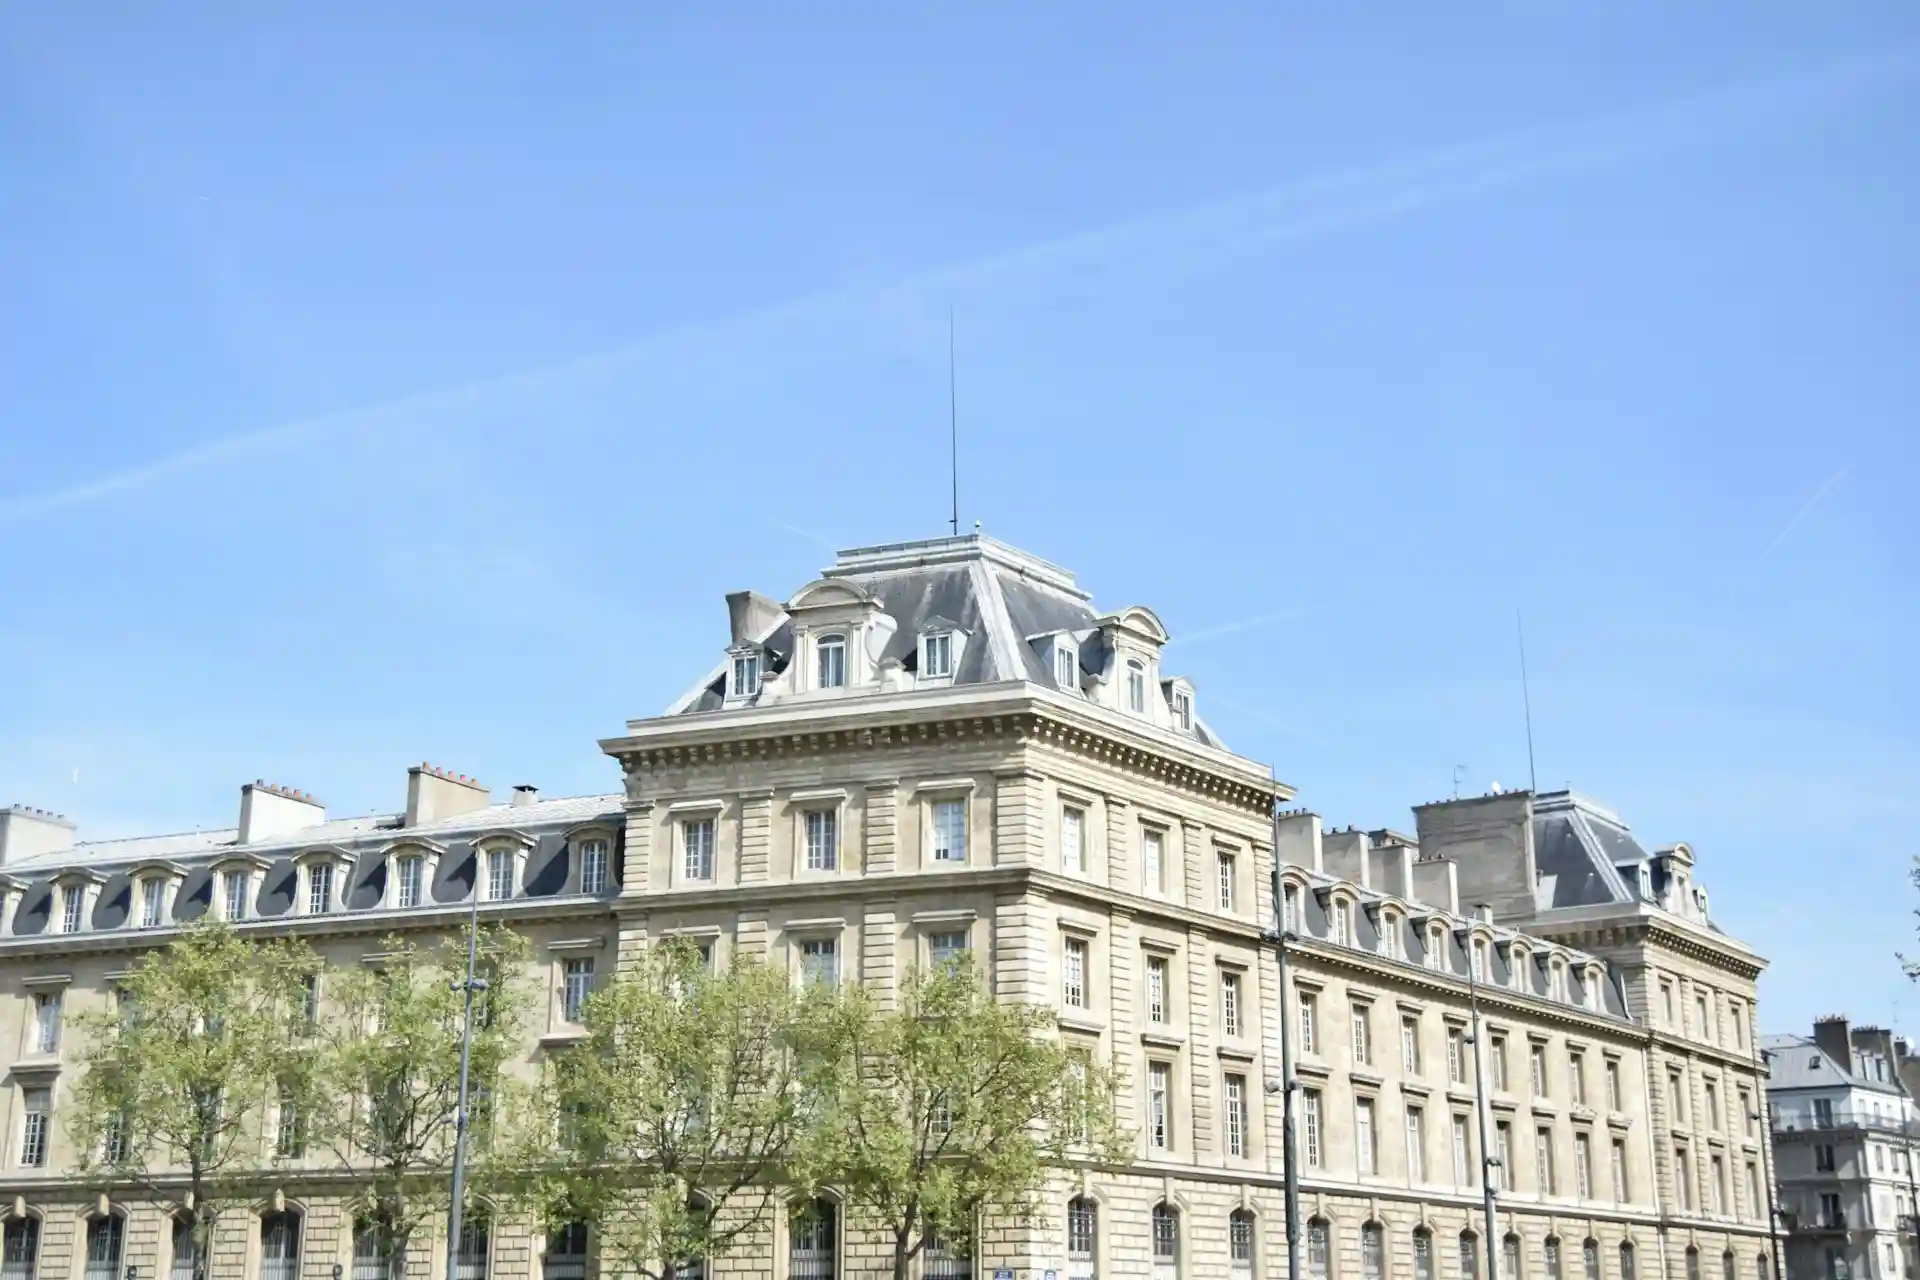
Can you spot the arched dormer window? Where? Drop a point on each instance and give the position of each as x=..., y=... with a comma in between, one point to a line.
x=321, y=887
x=1557, y=979
x=74, y=895
x=411, y=869
x=593, y=855
x=1517, y=962
x=1340, y=912
x=501, y=865
x=1595, y=978
x=830, y=662
x=1390, y=933
x=154, y=887
x=235, y=880
x=1136, y=686
x=1436, y=946
x=1477, y=951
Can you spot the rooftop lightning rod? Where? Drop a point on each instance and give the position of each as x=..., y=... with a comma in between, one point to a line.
x=1526, y=701
x=953, y=425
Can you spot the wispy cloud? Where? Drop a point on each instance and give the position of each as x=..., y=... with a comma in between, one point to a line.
x=1806, y=508
x=1166, y=242
x=1234, y=628
x=1269, y=719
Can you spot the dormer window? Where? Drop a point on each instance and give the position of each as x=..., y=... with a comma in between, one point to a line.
x=409, y=879
x=1066, y=665
x=1342, y=913
x=593, y=867
x=1136, y=686
x=1517, y=968
x=153, y=902
x=1437, y=947
x=936, y=656
x=235, y=894
x=73, y=902
x=746, y=675
x=1390, y=935
x=1183, y=710
x=831, y=662
x=499, y=875
x=319, y=888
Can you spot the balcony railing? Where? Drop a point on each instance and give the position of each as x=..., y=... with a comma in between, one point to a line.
x=1843, y=1120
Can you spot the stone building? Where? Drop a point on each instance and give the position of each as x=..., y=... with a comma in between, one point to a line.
x=943, y=745
x=1844, y=1121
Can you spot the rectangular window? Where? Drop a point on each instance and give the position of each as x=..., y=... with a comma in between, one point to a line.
x=1362, y=1034
x=1365, y=1153
x=1537, y=1058
x=946, y=947
x=1583, y=1166
x=1683, y=1178
x=696, y=848
x=950, y=830
x=1710, y=1092
x=499, y=875
x=820, y=960
x=1152, y=873
x=1737, y=1019
x=746, y=675
x=1503, y=1152
x=1577, y=1077
x=1073, y=824
x=576, y=982
x=1410, y=1046
x=234, y=895
x=1416, y=1145
x=1677, y=1097
x=1469, y=1256
x=1462, y=1153
x=1224, y=866
x=1159, y=1102
x=1183, y=709
x=1543, y=1170
x=1822, y=1107
x=593, y=867
x=46, y=1022
x=1758, y=1208
x=1717, y=1184
x=1230, y=1003
x=1497, y=1060
x=1823, y=1161
x=1746, y=1113
x=1236, y=1095
x=1066, y=668
x=1613, y=1084
x=1702, y=1016
x=939, y=663
x=409, y=871
x=1073, y=978
x=1310, y=1127
x=1666, y=1005
x=290, y=1138
x=1308, y=1044
x=823, y=839
x=73, y=899
x=1136, y=688
x=1156, y=989
x=33, y=1135
x=153, y=897
x=319, y=888
x=1619, y=1171
x=830, y=653
x=1830, y=1212
x=1456, y=1056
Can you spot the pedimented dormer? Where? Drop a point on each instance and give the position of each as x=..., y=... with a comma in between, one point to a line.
x=1133, y=639
x=840, y=633
x=411, y=867
x=155, y=885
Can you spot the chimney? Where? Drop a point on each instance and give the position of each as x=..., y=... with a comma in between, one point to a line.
x=434, y=793
x=751, y=615
x=1296, y=839
x=1344, y=854
x=1434, y=883
x=1483, y=913
x=525, y=794
x=268, y=809
x=26, y=831
x=1489, y=839
x=1834, y=1035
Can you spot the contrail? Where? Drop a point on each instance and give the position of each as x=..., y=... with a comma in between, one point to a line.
x=1177, y=240
x=1230, y=628
x=1806, y=508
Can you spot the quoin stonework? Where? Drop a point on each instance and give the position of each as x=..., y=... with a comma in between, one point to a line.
x=945, y=744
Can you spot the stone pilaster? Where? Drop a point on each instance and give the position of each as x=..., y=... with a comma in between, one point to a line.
x=756, y=835
x=882, y=826
x=1123, y=965
x=1202, y=1065
x=1119, y=835
x=637, y=861
x=1019, y=820
x=1273, y=1105
x=752, y=938
x=1195, y=857
x=879, y=951
x=1022, y=951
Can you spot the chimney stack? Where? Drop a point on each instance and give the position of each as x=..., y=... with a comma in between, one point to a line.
x=525, y=794
x=751, y=615
x=268, y=809
x=26, y=831
x=1834, y=1035
x=434, y=793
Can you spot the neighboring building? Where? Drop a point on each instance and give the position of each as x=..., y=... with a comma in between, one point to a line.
x=943, y=745
x=1844, y=1123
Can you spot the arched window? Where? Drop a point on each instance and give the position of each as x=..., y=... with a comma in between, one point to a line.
x=1422, y=1254
x=1240, y=1241
x=1510, y=1256
x=1626, y=1260
x=1693, y=1263
x=1729, y=1269
x=945, y=1259
x=1136, y=686
x=105, y=1236
x=1469, y=1256
x=1083, y=1239
x=813, y=1239
x=1550, y=1251
x=830, y=665
x=1166, y=1241
x=1319, y=1249
x=566, y=1257
x=1373, y=1252
x=476, y=1246
x=21, y=1254
x=279, y=1246
x=1762, y=1267
x=186, y=1251
x=374, y=1257
x=1590, y=1260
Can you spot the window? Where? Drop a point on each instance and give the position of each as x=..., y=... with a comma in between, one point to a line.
x=21, y=1252
x=1373, y=1252
x=105, y=1236
x=234, y=886
x=153, y=900
x=1693, y=1263
x=1290, y=908
x=1510, y=1256
x=1590, y=1259
x=319, y=888
x=290, y=1136
x=576, y=983
x=1702, y=1016
x=1152, y=874
x=475, y=1246
x=1236, y=1099
x=1822, y=1111
x=1240, y=1240
x=1083, y=1225
x=1183, y=709
x=1362, y=1016
x=46, y=1022
x=1365, y=1153
x=1341, y=913
x=1737, y=1019
x=1759, y=1208
x=1410, y=1045
x=820, y=961
x=38, y=1111
x=1308, y=1044
x=1683, y=1178
x=936, y=660
x=310, y=998
x=279, y=1246
x=1389, y=935
x=1319, y=1260
x=373, y=1253
x=1613, y=1084
x=1437, y=948
x=1310, y=1126
x=830, y=653
x=1478, y=959
x=1156, y=989
x=593, y=867
x=1136, y=687
x=696, y=848
x=1498, y=1057
x=946, y=947
x=1543, y=1171
x=1166, y=1234
x=1469, y=1256
x=1710, y=1093
x=409, y=872
x=1583, y=1166
x=1677, y=1097
x=1823, y=1161
x=1416, y=1145
x=1456, y=1055
x=1619, y=1161
x=114, y=1146
x=1230, y=1003
x=1503, y=1153
x=1073, y=825
x=1537, y=1059
x=1550, y=1257
x=823, y=839
x=1066, y=667
x=1073, y=974
x=1577, y=1077
x=1224, y=866
x=1666, y=1004
x=950, y=830
x=1159, y=1103
x=746, y=675
x=1717, y=1184
x=1830, y=1212
x=499, y=875
x=812, y=1242
x=1422, y=1254
x=1462, y=1153
x=73, y=900
x=1626, y=1261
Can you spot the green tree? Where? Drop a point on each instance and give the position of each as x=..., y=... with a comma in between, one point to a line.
x=178, y=1075
x=389, y=1069
x=667, y=1126
x=950, y=1106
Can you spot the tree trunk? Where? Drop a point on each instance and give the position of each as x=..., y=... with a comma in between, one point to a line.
x=901, y=1253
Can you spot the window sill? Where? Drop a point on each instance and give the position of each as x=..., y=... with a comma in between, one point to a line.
x=563, y=1037
x=1082, y=1020
x=38, y=1065
x=1164, y=1038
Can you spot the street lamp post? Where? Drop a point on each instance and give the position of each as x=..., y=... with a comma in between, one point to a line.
x=469, y=986
x=1488, y=1160
x=1285, y=938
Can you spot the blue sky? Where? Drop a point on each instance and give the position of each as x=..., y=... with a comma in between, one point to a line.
x=379, y=386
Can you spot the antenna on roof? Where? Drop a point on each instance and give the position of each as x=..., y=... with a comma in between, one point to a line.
x=1526, y=701
x=953, y=424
